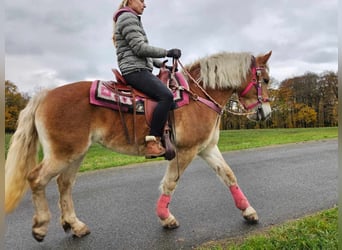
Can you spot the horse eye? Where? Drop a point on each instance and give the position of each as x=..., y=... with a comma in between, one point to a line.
x=266, y=80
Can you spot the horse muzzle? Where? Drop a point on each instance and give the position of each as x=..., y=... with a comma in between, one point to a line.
x=262, y=112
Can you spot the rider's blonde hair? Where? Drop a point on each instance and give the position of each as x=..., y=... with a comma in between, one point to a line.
x=123, y=4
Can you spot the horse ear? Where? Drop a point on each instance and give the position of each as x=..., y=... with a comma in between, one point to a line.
x=267, y=56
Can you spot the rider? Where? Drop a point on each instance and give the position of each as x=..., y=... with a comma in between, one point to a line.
x=136, y=59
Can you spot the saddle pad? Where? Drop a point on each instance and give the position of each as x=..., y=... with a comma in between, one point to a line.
x=100, y=95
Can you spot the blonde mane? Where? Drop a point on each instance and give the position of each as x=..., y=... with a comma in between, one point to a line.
x=223, y=70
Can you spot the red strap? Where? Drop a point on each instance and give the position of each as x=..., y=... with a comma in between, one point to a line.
x=248, y=88
x=210, y=104
x=251, y=84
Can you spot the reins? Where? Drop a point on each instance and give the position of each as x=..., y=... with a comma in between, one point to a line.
x=210, y=102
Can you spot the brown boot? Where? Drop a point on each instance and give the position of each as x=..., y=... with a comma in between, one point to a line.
x=154, y=147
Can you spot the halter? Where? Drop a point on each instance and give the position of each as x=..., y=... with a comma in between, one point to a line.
x=257, y=83
x=236, y=106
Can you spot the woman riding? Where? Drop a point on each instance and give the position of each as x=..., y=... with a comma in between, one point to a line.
x=136, y=59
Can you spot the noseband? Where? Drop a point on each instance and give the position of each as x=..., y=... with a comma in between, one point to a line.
x=256, y=82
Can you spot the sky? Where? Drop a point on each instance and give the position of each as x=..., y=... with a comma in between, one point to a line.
x=49, y=43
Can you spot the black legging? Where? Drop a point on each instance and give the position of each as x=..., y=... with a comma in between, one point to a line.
x=147, y=83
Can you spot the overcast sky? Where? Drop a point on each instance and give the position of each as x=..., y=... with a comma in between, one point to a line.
x=49, y=42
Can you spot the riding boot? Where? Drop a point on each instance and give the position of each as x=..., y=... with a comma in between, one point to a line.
x=154, y=147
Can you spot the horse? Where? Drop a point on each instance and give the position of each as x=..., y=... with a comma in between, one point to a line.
x=65, y=124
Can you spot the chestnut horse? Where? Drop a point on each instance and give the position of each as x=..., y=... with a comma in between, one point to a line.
x=65, y=124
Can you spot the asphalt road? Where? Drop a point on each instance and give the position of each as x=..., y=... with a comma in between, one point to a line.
x=118, y=205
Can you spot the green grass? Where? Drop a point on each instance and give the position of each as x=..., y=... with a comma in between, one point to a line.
x=318, y=231
x=100, y=158
x=244, y=139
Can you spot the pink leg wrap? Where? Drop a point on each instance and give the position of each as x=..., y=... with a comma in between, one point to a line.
x=240, y=199
x=162, y=206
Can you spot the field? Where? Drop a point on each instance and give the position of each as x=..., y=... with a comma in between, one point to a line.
x=100, y=158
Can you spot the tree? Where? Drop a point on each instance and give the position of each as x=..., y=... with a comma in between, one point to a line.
x=305, y=116
x=14, y=103
x=328, y=87
x=299, y=98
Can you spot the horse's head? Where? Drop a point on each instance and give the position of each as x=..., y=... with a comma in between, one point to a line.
x=253, y=94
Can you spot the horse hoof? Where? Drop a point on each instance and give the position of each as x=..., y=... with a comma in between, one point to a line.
x=251, y=219
x=250, y=215
x=171, y=226
x=170, y=223
x=81, y=233
x=38, y=237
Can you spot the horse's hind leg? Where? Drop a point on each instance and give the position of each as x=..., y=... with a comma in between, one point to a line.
x=168, y=185
x=213, y=157
x=65, y=183
x=38, y=178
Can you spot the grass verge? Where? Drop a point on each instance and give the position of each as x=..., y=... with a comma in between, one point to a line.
x=100, y=158
x=317, y=231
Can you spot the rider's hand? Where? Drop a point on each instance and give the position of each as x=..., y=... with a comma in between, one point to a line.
x=175, y=53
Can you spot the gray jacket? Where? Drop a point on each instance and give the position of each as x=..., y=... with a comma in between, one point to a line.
x=132, y=48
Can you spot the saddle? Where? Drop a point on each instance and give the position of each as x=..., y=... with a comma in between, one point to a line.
x=123, y=89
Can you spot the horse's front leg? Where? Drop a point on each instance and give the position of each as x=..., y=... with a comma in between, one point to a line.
x=168, y=186
x=214, y=158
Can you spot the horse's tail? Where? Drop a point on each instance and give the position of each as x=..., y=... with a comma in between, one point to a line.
x=22, y=154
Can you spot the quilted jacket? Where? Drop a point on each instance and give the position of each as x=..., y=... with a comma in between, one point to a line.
x=132, y=48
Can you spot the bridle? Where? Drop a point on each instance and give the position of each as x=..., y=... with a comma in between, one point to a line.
x=256, y=82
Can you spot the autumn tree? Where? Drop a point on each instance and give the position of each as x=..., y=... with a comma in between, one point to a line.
x=328, y=103
x=304, y=116
x=14, y=103
x=301, y=98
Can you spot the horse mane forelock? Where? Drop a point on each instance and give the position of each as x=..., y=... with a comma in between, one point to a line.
x=223, y=70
